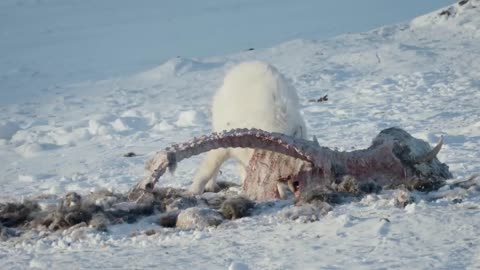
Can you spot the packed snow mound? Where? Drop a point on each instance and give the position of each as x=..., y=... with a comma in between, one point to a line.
x=465, y=13
x=188, y=118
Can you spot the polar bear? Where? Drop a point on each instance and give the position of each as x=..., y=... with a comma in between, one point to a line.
x=254, y=94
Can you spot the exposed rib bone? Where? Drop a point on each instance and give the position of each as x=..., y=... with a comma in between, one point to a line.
x=244, y=138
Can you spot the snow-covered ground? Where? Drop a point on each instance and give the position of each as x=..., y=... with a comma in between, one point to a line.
x=423, y=76
x=46, y=44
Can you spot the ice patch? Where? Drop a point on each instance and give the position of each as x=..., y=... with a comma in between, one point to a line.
x=238, y=266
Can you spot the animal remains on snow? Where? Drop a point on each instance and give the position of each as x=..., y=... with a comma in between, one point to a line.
x=267, y=137
x=311, y=171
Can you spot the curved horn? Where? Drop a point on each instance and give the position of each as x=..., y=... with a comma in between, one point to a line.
x=430, y=155
x=243, y=138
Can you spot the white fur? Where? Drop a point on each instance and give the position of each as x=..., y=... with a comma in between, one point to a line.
x=253, y=95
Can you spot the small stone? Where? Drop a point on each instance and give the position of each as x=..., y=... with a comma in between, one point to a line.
x=130, y=154
x=150, y=232
x=168, y=219
x=237, y=207
x=198, y=218
x=457, y=200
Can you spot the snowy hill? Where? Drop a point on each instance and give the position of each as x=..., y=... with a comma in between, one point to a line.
x=47, y=44
x=422, y=76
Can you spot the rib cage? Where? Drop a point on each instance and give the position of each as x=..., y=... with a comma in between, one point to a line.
x=245, y=138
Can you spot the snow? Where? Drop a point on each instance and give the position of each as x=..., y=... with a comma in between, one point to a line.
x=187, y=119
x=51, y=43
x=69, y=114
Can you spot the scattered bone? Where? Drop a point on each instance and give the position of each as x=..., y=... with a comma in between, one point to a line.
x=471, y=182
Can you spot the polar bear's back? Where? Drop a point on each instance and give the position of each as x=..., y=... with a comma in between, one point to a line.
x=255, y=95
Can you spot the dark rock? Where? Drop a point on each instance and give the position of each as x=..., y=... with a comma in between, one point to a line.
x=130, y=154
x=169, y=219
x=238, y=207
x=14, y=214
